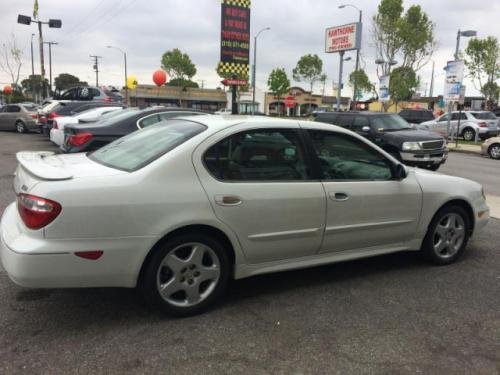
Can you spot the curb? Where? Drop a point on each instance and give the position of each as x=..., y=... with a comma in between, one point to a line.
x=464, y=151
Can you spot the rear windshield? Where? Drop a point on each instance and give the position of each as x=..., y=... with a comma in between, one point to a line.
x=140, y=148
x=30, y=108
x=115, y=117
x=484, y=115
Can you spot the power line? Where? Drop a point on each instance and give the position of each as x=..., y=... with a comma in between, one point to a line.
x=84, y=18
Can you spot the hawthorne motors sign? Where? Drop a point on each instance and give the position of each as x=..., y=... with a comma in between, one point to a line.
x=343, y=38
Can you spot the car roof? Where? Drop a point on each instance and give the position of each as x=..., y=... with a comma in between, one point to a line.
x=360, y=113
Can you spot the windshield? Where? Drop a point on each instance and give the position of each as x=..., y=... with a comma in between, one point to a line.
x=140, y=148
x=118, y=116
x=484, y=115
x=390, y=123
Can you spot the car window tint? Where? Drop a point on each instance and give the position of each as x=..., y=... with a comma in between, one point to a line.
x=14, y=108
x=149, y=120
x=483, y=115
x=443, y=118
x=454, y=116
x=173, y=114
x=95, y=92
x=343, y=157
x=258, y=155
x=359, y=123
x=344, y=121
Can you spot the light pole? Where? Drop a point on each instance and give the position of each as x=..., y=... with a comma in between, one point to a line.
x=354, y=98
x=32, y=59
x=467, y=34
x=53, y=23
x=125, y=62
x=339, y=89
x=50, y=61
x=255, y=66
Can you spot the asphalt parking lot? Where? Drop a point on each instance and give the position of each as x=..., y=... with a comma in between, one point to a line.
x=390, y=314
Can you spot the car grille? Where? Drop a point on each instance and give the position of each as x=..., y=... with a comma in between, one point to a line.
x=432, y=145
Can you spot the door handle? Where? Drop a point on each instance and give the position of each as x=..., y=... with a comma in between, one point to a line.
x=228, y=200
x=339, y=196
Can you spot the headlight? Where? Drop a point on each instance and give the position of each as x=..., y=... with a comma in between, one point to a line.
x=411, y=146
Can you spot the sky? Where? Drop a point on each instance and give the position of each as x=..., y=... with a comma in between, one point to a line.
x=145, y=29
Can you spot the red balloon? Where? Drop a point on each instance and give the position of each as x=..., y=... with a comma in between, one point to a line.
x=159, y=77
x=7, y=90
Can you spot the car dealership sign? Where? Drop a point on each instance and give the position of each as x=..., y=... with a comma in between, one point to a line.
x=343, y=38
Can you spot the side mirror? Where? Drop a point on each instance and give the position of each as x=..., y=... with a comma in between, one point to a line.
x=365, y=129
x=400, y=172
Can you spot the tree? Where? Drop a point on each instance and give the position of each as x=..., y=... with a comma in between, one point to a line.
x=403, y=84
x=323, y=78
x=408, y=36
x=11, y=59
x=65, y=81
x=363, y=82
x=179, y=66
x=483, y=62
x=309, y=68
x=278, y=82
x=34, y=85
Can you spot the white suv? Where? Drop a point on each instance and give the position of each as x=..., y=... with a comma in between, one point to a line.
x=483, y=123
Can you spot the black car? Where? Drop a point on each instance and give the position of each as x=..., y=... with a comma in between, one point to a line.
x=86, y=93
x=393, y=134
x=417, y=116
x=66, y=108
x=84, y=137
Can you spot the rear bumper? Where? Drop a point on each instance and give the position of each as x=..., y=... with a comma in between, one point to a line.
x=41, y=263
x=57, y=136
x=425, y=157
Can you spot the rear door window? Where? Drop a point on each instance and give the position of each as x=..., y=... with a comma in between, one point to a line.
x=149, y=120
x=359, y=123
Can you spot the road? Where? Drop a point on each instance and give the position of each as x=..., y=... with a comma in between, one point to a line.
x=390, y=314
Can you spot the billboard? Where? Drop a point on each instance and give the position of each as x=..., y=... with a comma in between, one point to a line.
x=235, y=37
x=343, y=38
x=383, y=88
x=453, y=80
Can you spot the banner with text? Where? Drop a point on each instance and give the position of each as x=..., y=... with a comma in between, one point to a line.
x=343, y=38
x=235, y=37
x=453, y=80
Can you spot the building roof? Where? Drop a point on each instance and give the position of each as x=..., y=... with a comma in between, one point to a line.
x=170, y=92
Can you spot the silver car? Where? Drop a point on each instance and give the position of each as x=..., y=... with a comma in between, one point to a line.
x=484, y=124
x=20, y=117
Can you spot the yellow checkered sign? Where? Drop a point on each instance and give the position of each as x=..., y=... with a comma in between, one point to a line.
x=235, y=37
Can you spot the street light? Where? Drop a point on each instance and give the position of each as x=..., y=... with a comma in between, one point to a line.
x=255, y=66
x=53, y=23
x=125, y=61
x=357, y=51
x=50, y=61
x=467, y=34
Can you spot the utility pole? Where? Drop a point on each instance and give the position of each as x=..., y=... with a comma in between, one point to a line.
x=50, y=63
x=431, y=89
x=32, y=58
x=96, y=68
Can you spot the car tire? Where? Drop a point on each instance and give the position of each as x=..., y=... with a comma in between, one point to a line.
x=433, y=167
x=469, y=134
x=21, y=127
x=447, y=235
x=494, y=151
x=186, y=274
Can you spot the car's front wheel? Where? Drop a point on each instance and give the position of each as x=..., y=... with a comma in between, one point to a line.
x=447, y=235
x=186, y=274
x=494, y=151
x=469, y=134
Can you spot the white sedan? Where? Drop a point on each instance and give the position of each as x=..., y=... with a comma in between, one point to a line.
x=91, y=115
x=181, y=207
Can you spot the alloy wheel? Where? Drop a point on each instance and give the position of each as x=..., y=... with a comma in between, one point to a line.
x=449, y=235
x=188, y=274
x=494, y=151
x=469, y=135
x=20, y=127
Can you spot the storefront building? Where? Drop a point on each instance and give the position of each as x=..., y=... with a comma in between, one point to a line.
x=196, y=98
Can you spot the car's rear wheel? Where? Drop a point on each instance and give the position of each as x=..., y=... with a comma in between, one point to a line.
x=469, y=134
x=447, y=235
x=21, y=127
x=494, y=151
x=186, y=274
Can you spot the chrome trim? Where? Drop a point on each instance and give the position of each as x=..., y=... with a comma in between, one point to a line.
x=285, y=235
x=351, y=227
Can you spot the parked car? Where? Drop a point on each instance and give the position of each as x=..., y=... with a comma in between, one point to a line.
x=90, y=93
x=181, y=207
x=484, y=124
x=416, y=116
x=491, y=147
x=68, y=108
x=91, y=115
x=393, y=134
x=223, y=111
x=84, y=137
x=19, y=117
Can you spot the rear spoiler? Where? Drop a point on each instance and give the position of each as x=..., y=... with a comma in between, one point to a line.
x=35, y=163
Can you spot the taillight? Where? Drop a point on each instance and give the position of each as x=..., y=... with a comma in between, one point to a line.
x=107, y=99
x=34, y=117
x=37, y=212
x=482, y=125
x=53, y=115
x=42, y=119
x=79, y=139
x=54, y=125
